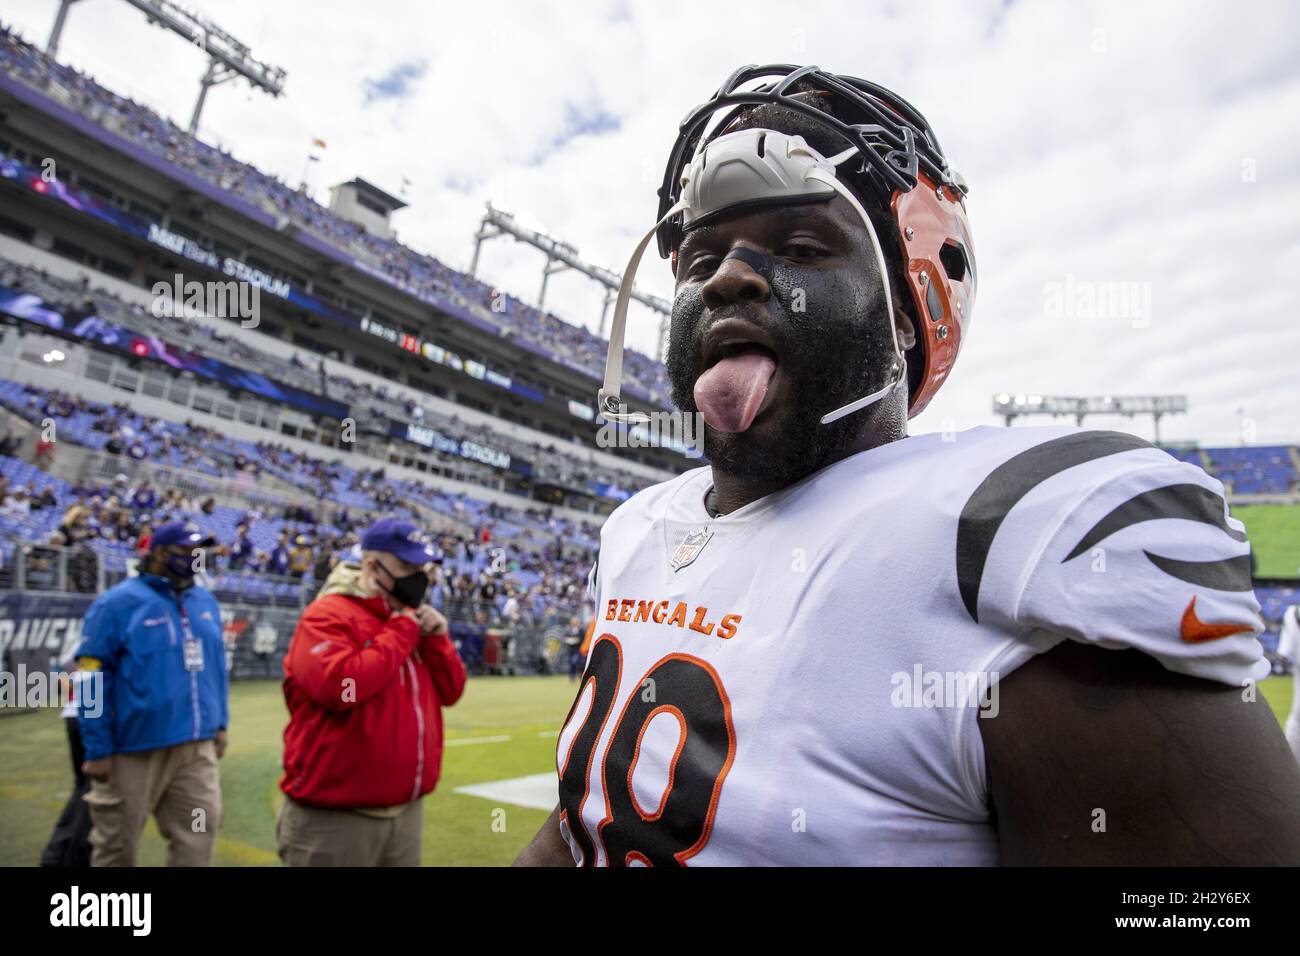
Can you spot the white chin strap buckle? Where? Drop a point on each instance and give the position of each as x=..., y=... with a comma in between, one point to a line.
x=744, y=167
x=895, y=379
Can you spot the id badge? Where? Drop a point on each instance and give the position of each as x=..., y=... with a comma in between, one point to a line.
x=193, y=654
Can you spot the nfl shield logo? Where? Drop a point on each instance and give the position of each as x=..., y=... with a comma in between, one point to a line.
x=690, y=548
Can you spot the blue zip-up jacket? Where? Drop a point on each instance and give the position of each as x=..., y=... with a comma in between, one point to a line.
x=149, y=699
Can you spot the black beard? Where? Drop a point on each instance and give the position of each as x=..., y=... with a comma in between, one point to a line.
x=835, y=351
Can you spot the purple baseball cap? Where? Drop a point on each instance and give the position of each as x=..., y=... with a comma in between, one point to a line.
x=400, y=538
x=180, y=532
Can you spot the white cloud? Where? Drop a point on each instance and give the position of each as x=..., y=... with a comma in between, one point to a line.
x=1103, y=141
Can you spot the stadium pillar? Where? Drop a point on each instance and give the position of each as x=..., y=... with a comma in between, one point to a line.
x=52, y=46
x=484, y=232
x=552, y=266
x=211, y=77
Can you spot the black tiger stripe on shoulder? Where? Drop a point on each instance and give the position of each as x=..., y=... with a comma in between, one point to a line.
x=1226, y=574
x=1188, y=501
x=1007, y=484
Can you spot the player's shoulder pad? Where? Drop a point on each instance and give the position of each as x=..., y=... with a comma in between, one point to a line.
x=1045, y=474
x=1118, y=544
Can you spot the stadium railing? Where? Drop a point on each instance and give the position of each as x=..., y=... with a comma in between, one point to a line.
x=260, y=612
x=76, y=569
x=490, y=643
x=31, y=566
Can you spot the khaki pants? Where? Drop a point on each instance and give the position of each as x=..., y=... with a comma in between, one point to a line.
x=179, y=785
x=315, y=836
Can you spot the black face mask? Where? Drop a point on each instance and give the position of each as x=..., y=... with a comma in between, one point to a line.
x=408, y=590
x=179, y=570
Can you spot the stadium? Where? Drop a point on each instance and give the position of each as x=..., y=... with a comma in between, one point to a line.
x=473, y=421
x=186, y=335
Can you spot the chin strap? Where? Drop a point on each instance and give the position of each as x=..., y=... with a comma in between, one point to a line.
x=897, y=365
x=609, y=400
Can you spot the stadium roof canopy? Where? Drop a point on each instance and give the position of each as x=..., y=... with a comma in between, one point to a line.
x=371, y=191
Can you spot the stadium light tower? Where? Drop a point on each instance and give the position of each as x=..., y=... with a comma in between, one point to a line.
x=1012, y=407
x=227, y=57
x=60, y=18
x=560, y=256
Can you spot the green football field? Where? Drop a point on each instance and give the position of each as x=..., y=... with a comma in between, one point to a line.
x=1274, y=536
x=502, y=730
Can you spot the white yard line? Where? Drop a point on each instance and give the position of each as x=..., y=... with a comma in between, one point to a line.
x=539, y=791
x=466, y=741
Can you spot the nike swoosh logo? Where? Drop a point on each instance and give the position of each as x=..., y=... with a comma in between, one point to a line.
x=1196, y=631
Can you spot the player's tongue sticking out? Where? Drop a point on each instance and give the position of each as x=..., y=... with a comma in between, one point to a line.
x=730, y=393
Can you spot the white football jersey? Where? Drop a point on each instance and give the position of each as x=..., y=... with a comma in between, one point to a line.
x=800, y=682
x=1288, y=646
x=1288, y=643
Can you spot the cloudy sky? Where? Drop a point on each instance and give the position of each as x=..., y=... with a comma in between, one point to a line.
x=1152, y=145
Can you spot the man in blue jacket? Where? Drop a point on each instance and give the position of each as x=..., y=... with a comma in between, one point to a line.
x=155, y=642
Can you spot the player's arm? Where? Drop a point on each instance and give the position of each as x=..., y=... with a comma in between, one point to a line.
x=1137, y=734
x=1103, y=757
x=1288, y=645
x=548, y=847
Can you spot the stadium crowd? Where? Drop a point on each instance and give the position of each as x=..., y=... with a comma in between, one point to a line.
x=504, y=566
x=420, y=275
x=373, y=406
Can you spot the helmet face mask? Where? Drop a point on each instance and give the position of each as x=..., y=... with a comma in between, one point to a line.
x=894, y=141
x=891, y=155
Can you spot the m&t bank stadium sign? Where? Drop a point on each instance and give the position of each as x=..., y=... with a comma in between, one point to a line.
x=463, y=448
x=232, y=267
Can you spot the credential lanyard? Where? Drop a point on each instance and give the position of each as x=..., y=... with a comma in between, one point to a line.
x=193, y=646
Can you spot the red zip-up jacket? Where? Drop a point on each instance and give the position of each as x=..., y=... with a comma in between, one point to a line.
x=365, y=695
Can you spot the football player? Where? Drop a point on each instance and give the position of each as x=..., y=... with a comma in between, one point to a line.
x=1288, y=647
x=837, y=644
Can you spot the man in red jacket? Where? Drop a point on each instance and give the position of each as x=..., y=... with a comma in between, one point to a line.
x=369, y=669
